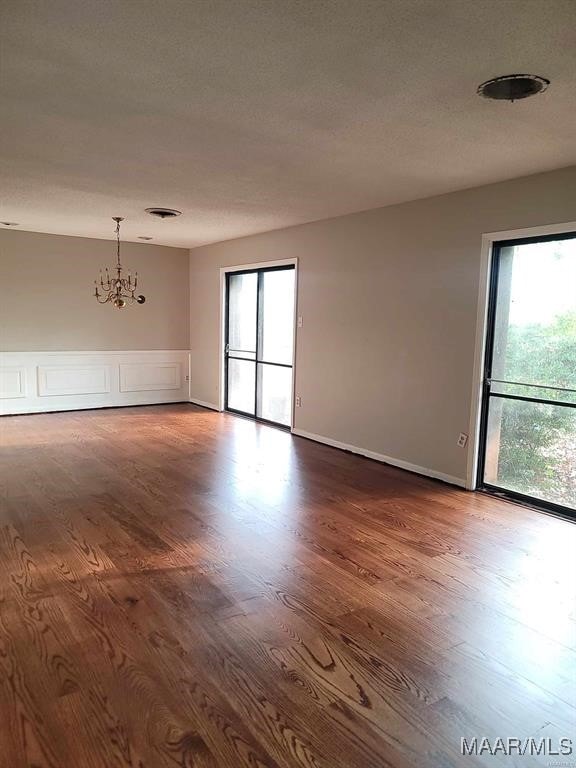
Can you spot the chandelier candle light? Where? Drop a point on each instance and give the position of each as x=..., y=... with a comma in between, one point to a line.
x=118, y=290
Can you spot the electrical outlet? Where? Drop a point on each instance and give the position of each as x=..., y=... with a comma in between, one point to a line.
x=462, y=440
x=300, y=321
x=187, y=377
x=298, y=401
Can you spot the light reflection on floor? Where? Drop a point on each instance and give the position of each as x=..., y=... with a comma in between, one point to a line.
x=264, y=462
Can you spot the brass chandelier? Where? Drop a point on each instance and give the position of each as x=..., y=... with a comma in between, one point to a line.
x=117, y=290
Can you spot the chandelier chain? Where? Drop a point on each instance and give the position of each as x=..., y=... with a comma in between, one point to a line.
x=118, y=242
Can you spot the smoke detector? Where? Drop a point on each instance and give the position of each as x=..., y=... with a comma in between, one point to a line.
x=163, y=213
x=513, y=87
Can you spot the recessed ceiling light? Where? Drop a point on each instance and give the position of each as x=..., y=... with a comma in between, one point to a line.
x=513, y=87
x=9, y=223
x=141, y=237
x=163, y=213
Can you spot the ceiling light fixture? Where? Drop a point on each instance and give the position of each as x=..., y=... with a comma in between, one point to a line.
x=118, y=290
x=142, y=237
x=512, y=87
x=9, y=223
x=163, y=213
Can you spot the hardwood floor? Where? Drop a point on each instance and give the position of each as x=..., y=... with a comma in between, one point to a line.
x=186, y=588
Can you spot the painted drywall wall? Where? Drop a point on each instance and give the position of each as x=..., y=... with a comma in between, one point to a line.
x=388, y=297
x=46, y=302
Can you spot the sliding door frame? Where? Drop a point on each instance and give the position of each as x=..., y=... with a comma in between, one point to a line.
x=483, y=351
x=245, y=268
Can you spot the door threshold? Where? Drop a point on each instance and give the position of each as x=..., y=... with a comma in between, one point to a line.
x=258, y=420
x=537, y=505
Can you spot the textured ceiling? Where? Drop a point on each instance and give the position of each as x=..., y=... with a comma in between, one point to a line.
x=250, y=116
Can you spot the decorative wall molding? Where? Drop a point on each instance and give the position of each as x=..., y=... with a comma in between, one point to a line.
x=381, y=457
x=12, y=382
x=148, y=377
x=59, y=380
x=36, y=382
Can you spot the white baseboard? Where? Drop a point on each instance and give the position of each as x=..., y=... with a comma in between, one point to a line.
x=381, y=457
x=43, y=382
x=86, y=405
x=204, y=404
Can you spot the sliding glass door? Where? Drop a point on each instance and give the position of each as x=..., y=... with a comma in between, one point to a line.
x=528, y=426
x=259, y=343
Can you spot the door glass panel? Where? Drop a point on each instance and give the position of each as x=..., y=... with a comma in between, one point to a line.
x=530, y=446
x=535, y=324
x=531, y=449
x=275, y=393
x=242, y=291
x=241, y=385
x=277, y=322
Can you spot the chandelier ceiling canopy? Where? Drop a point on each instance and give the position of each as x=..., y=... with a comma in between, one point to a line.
x=117, y=290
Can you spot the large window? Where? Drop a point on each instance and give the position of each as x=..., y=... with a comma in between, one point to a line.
x=528, y=437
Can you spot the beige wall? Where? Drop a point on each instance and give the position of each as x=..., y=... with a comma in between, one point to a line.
x=46, y=302
x=389, y=297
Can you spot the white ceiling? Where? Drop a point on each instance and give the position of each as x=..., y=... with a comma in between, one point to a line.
x=250, y=115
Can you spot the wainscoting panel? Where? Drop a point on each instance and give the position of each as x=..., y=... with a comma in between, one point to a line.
x=12, y=382
x=147, y=377
x=58, y=380
x=34, y=382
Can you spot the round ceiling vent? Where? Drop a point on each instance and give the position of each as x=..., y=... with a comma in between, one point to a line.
x=513, y=87
x=163, y=213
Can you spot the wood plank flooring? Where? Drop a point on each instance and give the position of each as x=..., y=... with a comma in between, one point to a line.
x=185, y=588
